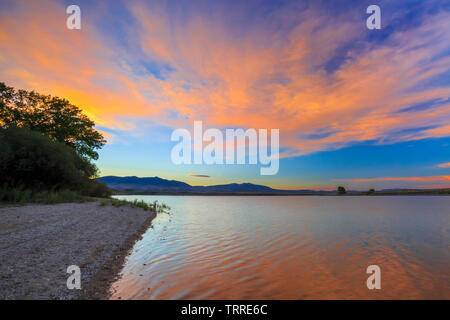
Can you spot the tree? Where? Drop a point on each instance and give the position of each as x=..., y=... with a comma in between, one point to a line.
x=54, y=117
x=371, y=191
x=341, y=190
x=30, y=160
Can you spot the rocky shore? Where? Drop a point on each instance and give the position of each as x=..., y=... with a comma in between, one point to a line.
x=39, y=242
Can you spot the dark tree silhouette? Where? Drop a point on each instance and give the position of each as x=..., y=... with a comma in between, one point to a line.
x=341, y=190
x=54, y=117
x=46, y=143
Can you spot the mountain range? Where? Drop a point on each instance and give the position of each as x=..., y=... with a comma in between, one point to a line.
x=158, y=185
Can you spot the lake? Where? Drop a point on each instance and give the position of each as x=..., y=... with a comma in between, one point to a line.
x=291, y=247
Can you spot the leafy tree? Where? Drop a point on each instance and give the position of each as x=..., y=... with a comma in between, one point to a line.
x=46, y=143
x=54, y=117
x=31, y=160
x=341, y=190
x=371, y=191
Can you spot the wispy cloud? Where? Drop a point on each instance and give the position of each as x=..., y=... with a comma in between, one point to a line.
x=444, y=165
x=199, y=175
x=177, y=66
x=416, y=179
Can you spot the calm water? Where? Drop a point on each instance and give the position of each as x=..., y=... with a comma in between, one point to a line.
x=223, y=247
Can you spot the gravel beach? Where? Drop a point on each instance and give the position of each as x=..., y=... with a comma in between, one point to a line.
x=39, y=242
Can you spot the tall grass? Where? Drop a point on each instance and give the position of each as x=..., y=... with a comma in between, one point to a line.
x=154, y=206
x=23, y=196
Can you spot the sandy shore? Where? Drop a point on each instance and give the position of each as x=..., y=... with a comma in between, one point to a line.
x=39, y=242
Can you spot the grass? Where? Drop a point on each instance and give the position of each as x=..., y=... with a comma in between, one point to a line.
x=20, y=196
x=154, y=206
x=23, y=196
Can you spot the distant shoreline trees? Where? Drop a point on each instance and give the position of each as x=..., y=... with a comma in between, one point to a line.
x=341, y=190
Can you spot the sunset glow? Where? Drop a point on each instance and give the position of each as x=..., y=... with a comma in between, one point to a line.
x=367, y=108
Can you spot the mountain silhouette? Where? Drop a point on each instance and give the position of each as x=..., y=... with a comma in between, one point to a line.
x=160, y=185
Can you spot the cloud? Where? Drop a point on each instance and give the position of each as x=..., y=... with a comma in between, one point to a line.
x=199, y=175
x=444, y=165
x=175, y=66
x=416, y=179
x=40, y=53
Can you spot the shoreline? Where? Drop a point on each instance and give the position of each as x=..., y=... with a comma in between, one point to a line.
x=243, y=194
x=39, y=242
x=99, y=286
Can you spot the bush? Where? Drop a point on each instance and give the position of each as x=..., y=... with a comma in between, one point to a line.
x=31, y=161
x=341, y=190
x=94, y=188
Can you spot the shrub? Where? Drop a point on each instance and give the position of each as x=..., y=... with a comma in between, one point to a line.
x=35, y=161
x=94, y=188
x=31, y=161
x=341, y=190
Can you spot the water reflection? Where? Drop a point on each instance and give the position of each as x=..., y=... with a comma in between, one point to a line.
x=291, y=248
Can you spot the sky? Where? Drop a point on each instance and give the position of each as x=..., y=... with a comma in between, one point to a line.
x=354, y=107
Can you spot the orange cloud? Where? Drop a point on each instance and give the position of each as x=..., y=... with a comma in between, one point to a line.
x=40, y=53
x=417, y=179
x=261, y=82
x=444, y=165
x=252, y=79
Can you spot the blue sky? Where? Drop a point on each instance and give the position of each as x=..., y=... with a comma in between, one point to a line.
x=355, y=107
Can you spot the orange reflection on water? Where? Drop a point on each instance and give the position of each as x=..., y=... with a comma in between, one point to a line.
x=292, y=248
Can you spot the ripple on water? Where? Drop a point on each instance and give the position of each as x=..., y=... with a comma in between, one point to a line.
x=291, y=248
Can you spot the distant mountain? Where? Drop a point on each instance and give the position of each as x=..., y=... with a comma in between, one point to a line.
x=156, y=185
x=144, y=184
x=234, y=187
x=159, y=185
